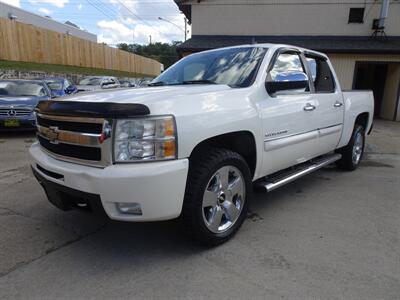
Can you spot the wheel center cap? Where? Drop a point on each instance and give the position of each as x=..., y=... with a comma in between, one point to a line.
x=221, y=198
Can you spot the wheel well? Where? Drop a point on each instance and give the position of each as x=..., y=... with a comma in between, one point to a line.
x=241, y=142
x=362, y=119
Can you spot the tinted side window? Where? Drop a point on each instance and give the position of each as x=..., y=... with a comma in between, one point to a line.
x=321, y=75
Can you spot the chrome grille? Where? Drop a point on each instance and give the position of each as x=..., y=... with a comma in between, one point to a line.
x=15, y=112
x=80, y=140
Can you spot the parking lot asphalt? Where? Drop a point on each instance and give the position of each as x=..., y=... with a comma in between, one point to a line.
x=329, y=235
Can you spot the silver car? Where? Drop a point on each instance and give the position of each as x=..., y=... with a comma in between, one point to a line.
x=95, y=83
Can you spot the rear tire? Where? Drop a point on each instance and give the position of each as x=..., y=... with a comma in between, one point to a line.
x=217, y=196
x=352, y=153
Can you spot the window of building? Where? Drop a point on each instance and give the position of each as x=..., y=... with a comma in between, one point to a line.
x=356, y=15
x=321, y=75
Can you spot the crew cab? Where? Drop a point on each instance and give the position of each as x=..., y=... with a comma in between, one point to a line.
x=207, y=132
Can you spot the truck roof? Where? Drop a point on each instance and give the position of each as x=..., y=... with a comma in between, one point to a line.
x=270, y=46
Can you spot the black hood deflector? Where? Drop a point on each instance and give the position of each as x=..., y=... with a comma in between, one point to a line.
x=92, y=109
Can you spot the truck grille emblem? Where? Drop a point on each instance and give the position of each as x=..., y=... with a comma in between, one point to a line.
x=52, y=134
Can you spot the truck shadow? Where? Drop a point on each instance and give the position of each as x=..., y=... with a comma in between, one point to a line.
x=264, y=203
x=127, y=245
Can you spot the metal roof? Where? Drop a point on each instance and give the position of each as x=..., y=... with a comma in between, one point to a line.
x=328, y=44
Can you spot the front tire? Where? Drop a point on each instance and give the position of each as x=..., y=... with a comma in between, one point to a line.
x=217, y=195
x=353, y=152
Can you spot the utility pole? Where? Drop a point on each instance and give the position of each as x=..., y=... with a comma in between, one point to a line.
x=150, y=39
x=177, y=26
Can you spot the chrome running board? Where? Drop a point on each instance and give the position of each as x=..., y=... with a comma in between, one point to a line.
x=271, y=183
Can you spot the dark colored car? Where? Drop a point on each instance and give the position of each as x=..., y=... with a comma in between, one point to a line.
x=60, y=86
x=18, y=99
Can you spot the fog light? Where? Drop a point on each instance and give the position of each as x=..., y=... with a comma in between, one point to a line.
x=130, y=208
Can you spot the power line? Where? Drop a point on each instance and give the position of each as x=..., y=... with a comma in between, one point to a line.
x=104, y=7
x=137, y=16
x=94, y=5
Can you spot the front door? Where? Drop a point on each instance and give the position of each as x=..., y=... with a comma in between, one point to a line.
x=289, y=118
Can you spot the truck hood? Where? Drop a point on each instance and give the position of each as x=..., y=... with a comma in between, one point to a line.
x=148, y=95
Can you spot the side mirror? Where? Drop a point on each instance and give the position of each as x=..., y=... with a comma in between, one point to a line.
x=53, y=95
x=287, y=81
x=70, y=89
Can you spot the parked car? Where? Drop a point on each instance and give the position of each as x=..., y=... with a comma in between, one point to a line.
x=60, y=86
x=211, y=128
x=93, y=83
x=127, y=83
x=145, y=82
x=18, y=98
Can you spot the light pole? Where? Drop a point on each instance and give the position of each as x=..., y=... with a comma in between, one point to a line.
x=177, y=26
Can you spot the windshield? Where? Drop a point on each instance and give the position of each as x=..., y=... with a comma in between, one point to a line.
x=90, y=81
x=236, y=67
x=19, y=89
x=54, y=84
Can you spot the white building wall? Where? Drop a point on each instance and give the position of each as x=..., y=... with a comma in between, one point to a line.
x=288, y=17
x=344, y=65
x=43, y=22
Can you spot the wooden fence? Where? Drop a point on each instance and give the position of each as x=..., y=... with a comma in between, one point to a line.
x=28, y=43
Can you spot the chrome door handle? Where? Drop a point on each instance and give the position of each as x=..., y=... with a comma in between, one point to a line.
x=309, y=107
x=338, y=104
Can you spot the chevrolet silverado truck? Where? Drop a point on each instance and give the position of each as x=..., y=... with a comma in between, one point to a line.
x=204, y=135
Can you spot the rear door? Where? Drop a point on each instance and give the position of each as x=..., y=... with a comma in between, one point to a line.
x=329, y=112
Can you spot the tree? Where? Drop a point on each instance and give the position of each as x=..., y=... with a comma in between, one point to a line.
x=165, y=53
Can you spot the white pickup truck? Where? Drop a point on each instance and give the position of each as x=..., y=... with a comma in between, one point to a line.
x=195, y=144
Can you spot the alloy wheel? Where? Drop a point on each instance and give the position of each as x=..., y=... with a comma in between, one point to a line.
x=223, y=199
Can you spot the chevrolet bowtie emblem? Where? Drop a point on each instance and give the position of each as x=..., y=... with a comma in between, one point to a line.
x=52, y=134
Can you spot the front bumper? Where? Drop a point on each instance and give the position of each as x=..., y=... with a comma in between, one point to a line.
x=158, y=187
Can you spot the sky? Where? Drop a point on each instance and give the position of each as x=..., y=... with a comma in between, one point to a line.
x=114, y=21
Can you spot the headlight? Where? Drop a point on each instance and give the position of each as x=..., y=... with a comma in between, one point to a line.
x=145, y=139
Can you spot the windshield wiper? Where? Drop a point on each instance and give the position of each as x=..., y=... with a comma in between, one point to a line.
x=158, y=83
x=201, y=81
